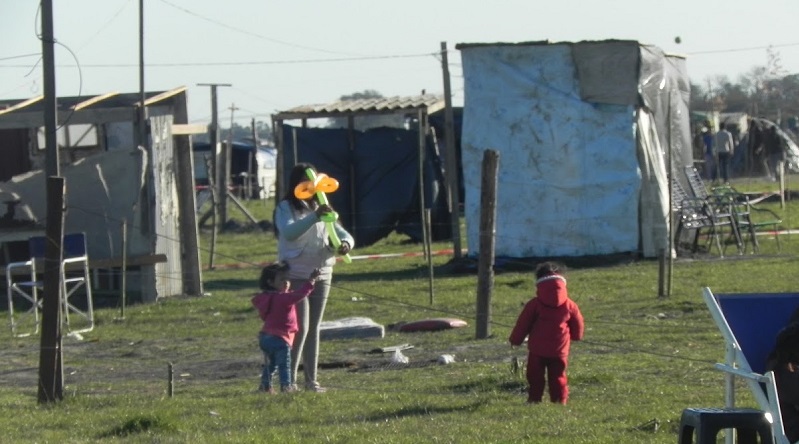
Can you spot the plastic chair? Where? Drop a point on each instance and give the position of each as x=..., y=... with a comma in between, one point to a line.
x=74, y=275
x=706, y=423
x=709, y=215
x=749, y=324
x=749, y=218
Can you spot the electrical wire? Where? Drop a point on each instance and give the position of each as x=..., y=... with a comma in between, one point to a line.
x=252, y=34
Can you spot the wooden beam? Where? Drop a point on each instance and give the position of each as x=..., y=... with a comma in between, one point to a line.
x=22, y=104
x=93, y=100
x=164, y=95
x=187, y=129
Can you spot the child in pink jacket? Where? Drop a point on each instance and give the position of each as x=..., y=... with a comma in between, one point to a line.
x=550, y=321
x=275, y=305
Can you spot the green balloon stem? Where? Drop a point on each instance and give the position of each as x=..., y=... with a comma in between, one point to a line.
x=329, y=219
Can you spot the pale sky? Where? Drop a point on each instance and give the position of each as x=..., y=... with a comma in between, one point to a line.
x=282, y=54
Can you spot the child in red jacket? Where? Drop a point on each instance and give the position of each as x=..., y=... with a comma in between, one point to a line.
x=275, y=305
x=550, y=321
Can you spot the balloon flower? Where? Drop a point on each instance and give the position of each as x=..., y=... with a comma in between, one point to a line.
x=319, y=185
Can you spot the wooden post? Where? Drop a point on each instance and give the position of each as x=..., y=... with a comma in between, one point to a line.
x=485, y=268
x=251, y=160
x=170, y=388
x=187, y=202
x=353, y=200
x=662, y=264
x=224, y=175
x=51, y=372
x=453, y=191
x=781, y=172
x=214, y=210
x=123, y=286
x=277, y=133
x=426, y=246
x=430, y=255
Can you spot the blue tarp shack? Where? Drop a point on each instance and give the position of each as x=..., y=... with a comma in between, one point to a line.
x=378, y=169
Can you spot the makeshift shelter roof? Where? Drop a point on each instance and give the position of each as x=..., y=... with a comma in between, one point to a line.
x=94, y=109
x=386, y=105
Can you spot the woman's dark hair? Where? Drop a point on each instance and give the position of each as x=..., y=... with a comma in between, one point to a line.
x=296, y=176
x=548, y=268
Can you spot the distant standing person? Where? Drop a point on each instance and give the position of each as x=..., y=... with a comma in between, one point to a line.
x=710, y=164
x=303, y=243
x=724, y=150
x=774, y=153
x=275, y=305
x=550, y=321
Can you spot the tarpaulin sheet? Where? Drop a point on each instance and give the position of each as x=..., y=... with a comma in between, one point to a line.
x=568, y=173
x=378, y=179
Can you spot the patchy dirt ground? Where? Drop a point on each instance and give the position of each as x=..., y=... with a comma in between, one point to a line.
x=97, y=365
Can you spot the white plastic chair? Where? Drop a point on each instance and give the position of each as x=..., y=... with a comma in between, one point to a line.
x=749, y=324
x=74, y=275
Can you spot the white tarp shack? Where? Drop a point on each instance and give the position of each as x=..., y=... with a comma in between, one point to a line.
x=109, y=179
x=584, y=132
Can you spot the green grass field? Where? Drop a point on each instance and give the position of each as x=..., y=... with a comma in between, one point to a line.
x=644, y=359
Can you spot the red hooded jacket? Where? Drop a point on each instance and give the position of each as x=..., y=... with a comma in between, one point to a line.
x=551, y=320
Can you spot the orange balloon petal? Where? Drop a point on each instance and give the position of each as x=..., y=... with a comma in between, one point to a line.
x=326, y=184
x=304, y=190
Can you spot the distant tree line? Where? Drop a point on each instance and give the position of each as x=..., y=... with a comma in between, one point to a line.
x=263, y=131
x=764, y=91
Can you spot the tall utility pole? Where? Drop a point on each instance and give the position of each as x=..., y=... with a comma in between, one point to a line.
x=213, y=131
x=142, y=114
x=452, y=158
x=51, y=374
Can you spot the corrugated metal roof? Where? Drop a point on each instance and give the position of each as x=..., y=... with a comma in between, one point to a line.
x=386, y=105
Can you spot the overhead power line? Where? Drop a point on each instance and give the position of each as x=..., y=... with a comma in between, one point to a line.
x=35, y=54
x=752, y=48
x=252, y=34
x=245, y=63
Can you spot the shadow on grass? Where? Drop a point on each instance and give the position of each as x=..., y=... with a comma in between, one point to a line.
x=142, y=424
x=231, y=285
x=423, y=410
x=490, y=384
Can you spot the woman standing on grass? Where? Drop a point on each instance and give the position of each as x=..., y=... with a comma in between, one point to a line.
x=303, y=243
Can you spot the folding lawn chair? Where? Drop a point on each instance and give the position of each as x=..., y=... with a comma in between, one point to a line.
x=749, y=324
x=73, y=276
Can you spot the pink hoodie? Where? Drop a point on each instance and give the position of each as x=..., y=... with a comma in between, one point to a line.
x=277, y=310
